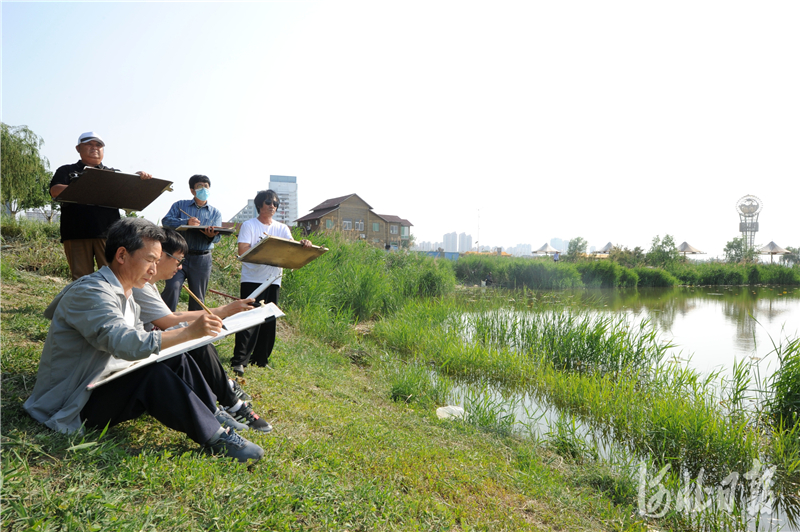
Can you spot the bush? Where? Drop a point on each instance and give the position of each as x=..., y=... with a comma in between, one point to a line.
x=655, y=277
x=517, y=272
x=600, y=274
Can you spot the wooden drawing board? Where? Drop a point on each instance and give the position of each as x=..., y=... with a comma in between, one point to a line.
x=107, y=188
x=280, y=252
x=220, y=230
x=237, y=322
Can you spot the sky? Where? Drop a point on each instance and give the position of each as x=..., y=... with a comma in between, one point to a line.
x=513, y=121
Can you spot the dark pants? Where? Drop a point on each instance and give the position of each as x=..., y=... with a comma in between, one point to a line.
x=207, y=360
x=196, y=271
x=256, y=342
x=82, y=253
x=173, y=391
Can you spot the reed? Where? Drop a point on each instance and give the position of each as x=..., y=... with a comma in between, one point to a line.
x=611, y=374
x=655, y=277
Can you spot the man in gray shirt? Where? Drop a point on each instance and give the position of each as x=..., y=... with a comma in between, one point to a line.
x=95, y=330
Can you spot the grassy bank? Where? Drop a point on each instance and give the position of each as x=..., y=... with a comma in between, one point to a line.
x=614, y=377
x=543, y=273
x=351, y=450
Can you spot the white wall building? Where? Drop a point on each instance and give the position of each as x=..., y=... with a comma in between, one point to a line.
x=464, y=243
x=451, y=242
x=286, y=188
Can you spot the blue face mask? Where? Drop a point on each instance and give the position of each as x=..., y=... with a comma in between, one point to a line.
x=202, y=194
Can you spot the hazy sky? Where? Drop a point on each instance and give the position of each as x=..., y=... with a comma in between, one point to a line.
x=515, y=122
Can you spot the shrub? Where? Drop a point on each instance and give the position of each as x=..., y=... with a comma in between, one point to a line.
x=600, y=274
x=655, y=277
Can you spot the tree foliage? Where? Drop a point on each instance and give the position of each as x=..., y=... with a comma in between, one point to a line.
x=25, y=172
x=630, y=258
x=663, y=253
x=576, y=249
x=737, y=251
x=791, y=258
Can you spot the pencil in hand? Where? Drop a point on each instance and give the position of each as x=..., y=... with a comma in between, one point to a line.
x=197, y=299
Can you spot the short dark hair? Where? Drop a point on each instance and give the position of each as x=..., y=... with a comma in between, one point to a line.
x=174, y=242
x=265, y=195
x=198, y=178
x=130, y=233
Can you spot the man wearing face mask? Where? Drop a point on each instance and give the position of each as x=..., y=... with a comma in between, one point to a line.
x=197, y=266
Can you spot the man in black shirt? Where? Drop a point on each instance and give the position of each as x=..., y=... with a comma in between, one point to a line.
x=84, y=227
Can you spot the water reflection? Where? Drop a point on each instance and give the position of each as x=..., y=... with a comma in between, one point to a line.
x=715, y=325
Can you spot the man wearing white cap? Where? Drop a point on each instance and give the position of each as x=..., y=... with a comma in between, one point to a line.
x=84, y=227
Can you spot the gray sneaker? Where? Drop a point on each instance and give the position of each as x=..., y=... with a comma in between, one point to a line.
x=239, y=393
x=226, y=420
x=234, y=446
x=246, y=415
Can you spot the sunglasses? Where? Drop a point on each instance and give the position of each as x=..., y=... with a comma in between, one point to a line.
x=275, y=203
x=181, y=262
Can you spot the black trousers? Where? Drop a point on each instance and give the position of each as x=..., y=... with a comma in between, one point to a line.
x=173, y=391
x=256, y=342
x=207, y=359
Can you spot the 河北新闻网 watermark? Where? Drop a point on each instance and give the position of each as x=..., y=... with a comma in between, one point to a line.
x=692, y=496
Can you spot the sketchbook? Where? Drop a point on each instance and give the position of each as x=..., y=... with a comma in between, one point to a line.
x=220, y=230
x=237, y=322
x=282, y=253
x=107, y=188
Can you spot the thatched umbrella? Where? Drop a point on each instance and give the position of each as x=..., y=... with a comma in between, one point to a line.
x=606, y=249
x=688, y=248
x=772, y=249
x=546, y=249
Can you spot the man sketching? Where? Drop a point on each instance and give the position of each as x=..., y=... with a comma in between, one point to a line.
x=84, y=227
x=95, y=331
x=197, y=267
x=154, y=313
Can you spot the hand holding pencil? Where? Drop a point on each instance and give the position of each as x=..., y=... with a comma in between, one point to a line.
x=197, y=299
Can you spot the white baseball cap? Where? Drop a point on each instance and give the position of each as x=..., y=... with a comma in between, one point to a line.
x=90, y=135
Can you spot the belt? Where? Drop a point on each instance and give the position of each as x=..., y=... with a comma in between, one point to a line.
x=199, y=252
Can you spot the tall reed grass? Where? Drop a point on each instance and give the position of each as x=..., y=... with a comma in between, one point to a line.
x=615, y=376
x=541, y=273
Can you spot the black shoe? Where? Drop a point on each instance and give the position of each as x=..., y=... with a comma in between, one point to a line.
x=238, y=370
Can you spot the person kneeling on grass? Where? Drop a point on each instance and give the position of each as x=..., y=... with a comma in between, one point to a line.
x=155, y=313
x=95, y=331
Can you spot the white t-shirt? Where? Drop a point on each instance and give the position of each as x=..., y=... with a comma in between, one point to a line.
x=252, y=232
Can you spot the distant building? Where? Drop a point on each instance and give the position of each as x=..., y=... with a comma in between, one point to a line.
x=559, y=244
x=464, y=243
x=520, y=250
x=352, y=216
x=451, y=242
x=286, y=188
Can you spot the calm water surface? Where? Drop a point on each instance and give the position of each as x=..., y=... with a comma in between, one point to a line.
x=711, y=326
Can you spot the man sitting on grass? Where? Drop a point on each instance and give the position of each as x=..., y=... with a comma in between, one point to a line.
x=156, y=313
x=95, y=331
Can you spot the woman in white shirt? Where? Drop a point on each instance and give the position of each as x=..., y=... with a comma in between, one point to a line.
x=258, y=342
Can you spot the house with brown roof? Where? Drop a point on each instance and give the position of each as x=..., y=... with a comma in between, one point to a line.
x=355, y=218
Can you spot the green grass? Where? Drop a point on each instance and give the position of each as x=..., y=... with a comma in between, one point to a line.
x=344, y=454
x=615, y=377
x=543, y=273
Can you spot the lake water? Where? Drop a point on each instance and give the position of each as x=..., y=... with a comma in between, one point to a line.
x=710, y=326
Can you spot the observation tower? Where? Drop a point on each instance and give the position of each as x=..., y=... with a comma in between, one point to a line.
x=748, y=208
